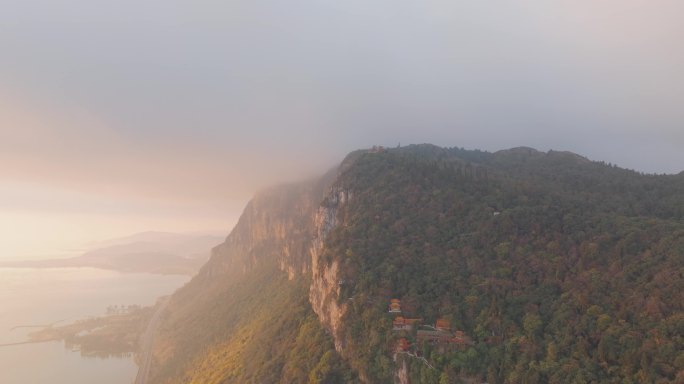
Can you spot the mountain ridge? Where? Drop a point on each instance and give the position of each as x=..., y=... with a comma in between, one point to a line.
x=451, y=232
x=152, y=252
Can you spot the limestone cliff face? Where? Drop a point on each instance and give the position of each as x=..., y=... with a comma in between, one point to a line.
x=325, y=277
x=276, y=226
x=401, y=375
x=287, y=226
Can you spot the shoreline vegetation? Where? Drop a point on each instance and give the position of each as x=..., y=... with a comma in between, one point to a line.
x=115, y=334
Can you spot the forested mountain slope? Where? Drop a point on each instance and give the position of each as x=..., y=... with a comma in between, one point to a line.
x=540, y=267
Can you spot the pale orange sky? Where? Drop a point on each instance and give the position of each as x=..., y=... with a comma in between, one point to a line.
x=44, y=235
x=68, y=179
x=124, y=116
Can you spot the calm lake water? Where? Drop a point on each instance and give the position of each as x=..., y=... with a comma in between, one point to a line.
x=46, y=296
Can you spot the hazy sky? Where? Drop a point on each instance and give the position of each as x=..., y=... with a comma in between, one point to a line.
x=122, y=116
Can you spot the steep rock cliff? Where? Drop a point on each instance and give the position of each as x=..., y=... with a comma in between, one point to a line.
x=325, y=280
x=230, y=301
x=289, y=224
x=278, y=224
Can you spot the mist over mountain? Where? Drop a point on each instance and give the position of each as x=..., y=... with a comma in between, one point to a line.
x=423, y=264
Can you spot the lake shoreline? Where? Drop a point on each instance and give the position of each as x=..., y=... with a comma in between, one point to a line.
x=33, y=298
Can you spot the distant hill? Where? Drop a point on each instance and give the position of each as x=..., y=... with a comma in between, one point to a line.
x=153, y=252
x=518, y=266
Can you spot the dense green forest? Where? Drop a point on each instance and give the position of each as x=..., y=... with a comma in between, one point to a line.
x=558, y=269
x=561, y=270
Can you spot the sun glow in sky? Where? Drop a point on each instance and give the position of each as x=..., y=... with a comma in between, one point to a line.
x=40, y=223
x=118, y=117
x=44, y=235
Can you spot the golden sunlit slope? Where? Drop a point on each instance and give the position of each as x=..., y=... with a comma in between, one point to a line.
x=246, y=316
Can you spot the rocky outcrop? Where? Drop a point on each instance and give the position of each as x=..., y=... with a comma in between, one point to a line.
x=401, y=374
x=325, y=276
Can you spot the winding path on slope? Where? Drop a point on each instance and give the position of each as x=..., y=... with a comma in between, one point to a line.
x=147, y=341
